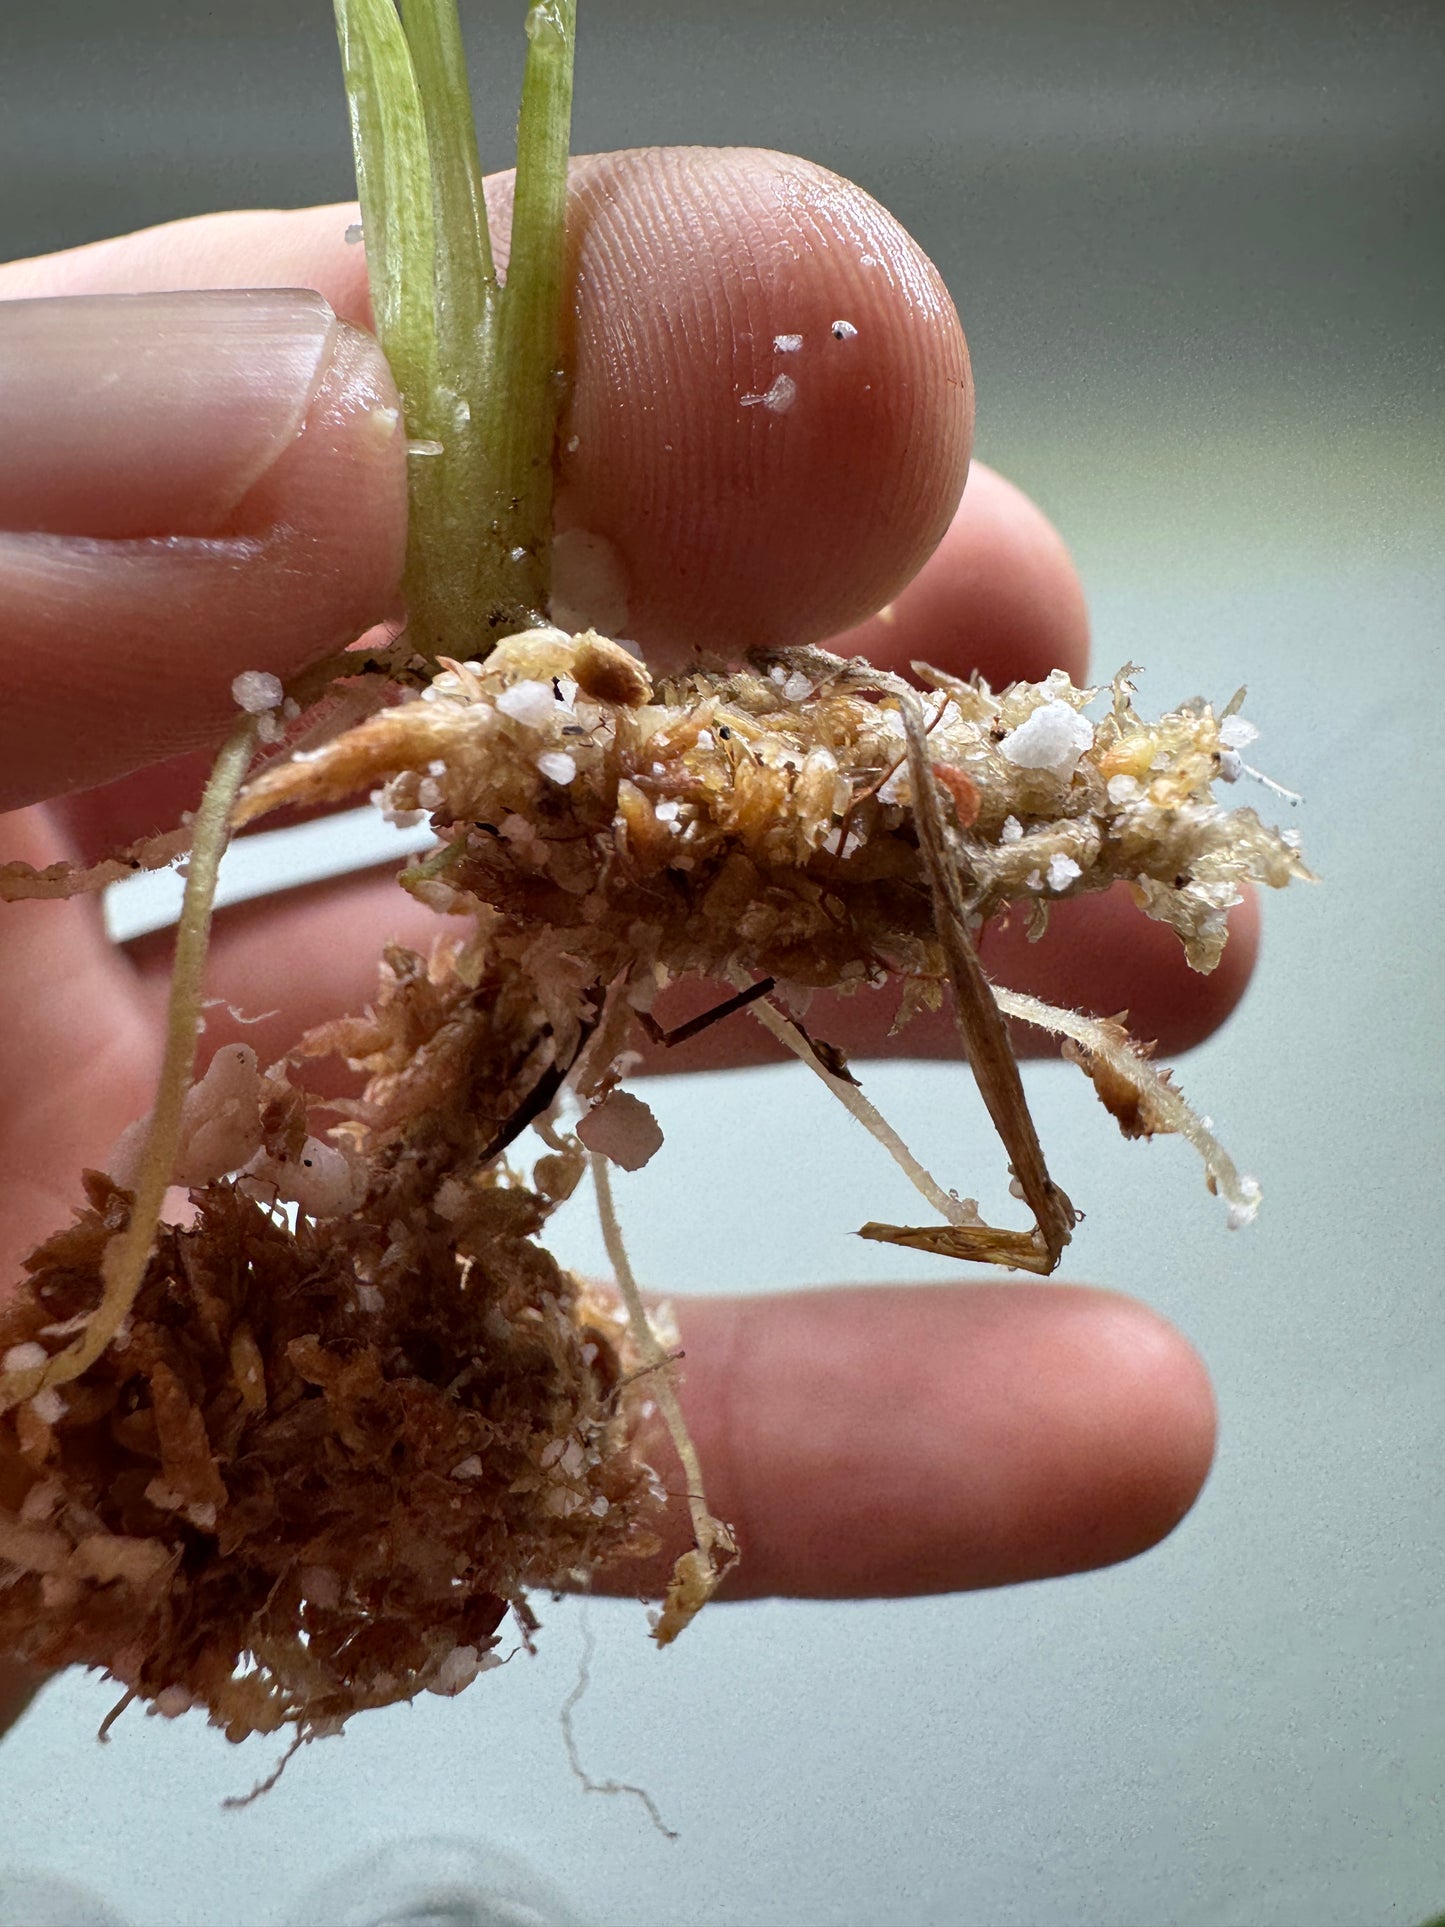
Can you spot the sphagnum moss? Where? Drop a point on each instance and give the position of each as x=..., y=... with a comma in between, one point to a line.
x=302, y=1456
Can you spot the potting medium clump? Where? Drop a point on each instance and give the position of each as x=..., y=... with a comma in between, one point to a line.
x=302, y=1452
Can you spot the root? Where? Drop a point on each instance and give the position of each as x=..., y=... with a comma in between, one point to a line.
x=574, y=1754
x=237, y=1802
x=299, y=1462
x=126, y=1258
x=1158, y=1108
x=959, y=1211
x=19, y=881
x=698, y=1573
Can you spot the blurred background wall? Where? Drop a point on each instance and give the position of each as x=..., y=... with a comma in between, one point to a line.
x=1205, y=211
x=1197, y=251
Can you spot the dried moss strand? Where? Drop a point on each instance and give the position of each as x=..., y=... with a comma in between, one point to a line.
x=697, y=1573
x=22, y=881
x=1240, y=1192
x=980, y=1026
x=657, y=1360
x=954, y=1210
x=127, y=1256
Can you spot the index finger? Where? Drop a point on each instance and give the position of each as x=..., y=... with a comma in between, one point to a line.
x=879, y=1442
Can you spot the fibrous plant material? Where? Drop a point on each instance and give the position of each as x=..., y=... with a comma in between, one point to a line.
x=300, y=1456
x=376, y=1428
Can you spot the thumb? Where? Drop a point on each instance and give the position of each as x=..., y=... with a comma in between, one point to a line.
x=194, y=485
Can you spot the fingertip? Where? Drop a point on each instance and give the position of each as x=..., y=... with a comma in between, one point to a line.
x=1000, y=596
x=1144, y=1438
x=772, y=407
x=1055, y=1429
x=906, y=1440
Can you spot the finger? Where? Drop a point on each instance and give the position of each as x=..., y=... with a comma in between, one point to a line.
x=773, y=410
x=1103, y=956
x=876, y=1443
x=250, y=248
x=1000, y=595
x=194, y=485
x=77, y=1053
x=731, y=522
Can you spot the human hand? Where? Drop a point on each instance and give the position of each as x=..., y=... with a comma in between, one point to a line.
x=203, y=486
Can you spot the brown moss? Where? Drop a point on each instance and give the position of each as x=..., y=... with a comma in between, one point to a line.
x=334, y=1443
x=327, y=1457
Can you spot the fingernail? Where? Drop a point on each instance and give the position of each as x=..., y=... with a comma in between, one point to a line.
x=150, y=414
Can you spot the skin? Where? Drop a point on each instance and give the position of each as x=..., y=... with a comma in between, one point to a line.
x=863, y=1442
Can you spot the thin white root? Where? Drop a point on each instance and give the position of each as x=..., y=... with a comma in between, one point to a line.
x=698, y=1573
x=1167, y=1109
x=962, y=1211
x=574, y=1752
x=126, y=1258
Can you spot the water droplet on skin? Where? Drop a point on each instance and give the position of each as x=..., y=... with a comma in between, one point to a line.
x=382, y=424
x=353, y=234
x=843, y=331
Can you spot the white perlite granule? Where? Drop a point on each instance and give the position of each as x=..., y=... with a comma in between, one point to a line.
x=529, y=703
x=48, y=1406
x=256, y=691
x=1054, y=737
x=557, y=766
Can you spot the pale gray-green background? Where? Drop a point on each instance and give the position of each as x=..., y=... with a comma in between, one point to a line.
x=1197, y=253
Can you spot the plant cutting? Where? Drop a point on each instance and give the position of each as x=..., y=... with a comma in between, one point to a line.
x=300, y=1455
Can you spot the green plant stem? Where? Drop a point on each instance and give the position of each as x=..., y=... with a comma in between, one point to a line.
x=522, y=408
x=393, y=180
x=478, y=364
x=434, y=36
x=447, y=586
